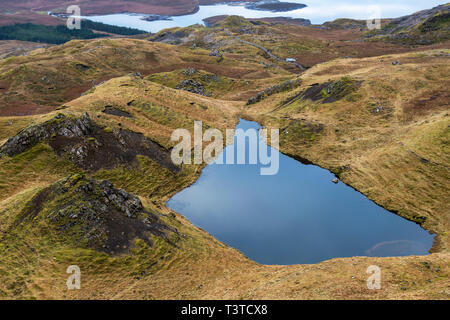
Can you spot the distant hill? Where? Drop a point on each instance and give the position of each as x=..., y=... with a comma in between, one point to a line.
x=211, y=21
x=423, y=27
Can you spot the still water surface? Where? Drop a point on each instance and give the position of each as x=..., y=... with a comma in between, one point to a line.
x=318, y=11
x=296, y=216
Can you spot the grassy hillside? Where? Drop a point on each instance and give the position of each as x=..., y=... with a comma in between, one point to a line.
x=45, y=79
x=309, y=45
x=421, y=28
x=196, y=265
x=382, y=128
x=84, y=172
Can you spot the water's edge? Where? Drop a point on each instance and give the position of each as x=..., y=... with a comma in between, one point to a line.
x=305, y=161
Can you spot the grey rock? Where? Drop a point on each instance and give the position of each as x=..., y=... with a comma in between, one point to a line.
x=190, y=71
x=59, y=125
x=191, y=86
x=288, y=85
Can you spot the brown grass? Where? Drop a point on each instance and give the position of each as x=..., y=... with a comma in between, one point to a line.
x=47, y=78
x=372, y=143
x=382, y=150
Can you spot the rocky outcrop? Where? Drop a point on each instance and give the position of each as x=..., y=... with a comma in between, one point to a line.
x=191, y=86
x=423, y=28
x=94, y=214
x=126, y=203
x=60, y=125
x=82, y=67
x=170, y=37
x=216, y=53
x=285, y=86
x=190, y=71
x=410, y=21
x=116, y=112
x=87, y=145
x=326, y=92
x=335, y=90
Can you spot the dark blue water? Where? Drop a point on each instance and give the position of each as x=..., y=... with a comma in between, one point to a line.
x=297, y=216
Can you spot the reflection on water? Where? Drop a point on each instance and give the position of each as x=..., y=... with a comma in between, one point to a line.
x=396, y=248
x=318, y=11
x=296, y=216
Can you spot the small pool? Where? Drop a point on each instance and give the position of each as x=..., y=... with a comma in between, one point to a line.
x=298, y=216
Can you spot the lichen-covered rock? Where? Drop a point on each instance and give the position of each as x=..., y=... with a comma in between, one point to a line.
x=215, y=53
x=190, y=71
x=192, y=86
x=87, y=145
x=61, y=125
x=127, y=203
x=94, y=214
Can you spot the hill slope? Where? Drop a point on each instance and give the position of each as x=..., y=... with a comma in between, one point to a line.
x=423, y=27
x=85, y=133
x=184, y=261
x=45, y=79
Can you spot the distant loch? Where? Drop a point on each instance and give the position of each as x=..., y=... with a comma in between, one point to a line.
x=275, y=6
